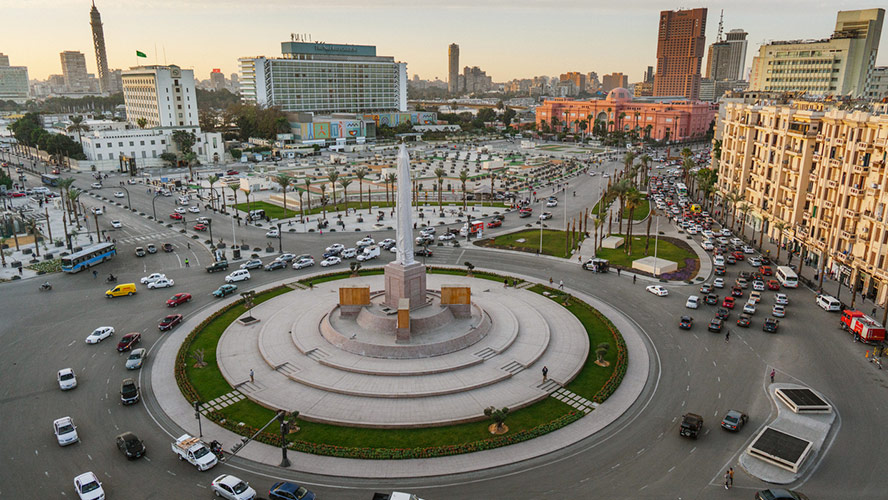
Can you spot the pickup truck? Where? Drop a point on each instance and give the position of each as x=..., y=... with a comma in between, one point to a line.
x=221, y=265
x=691, y=425
x=395, y=496
x=195, y=451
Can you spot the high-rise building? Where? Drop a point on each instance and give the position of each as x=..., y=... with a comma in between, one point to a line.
x=74, y=71
x=649, y=74
x=234, y=83
x=578, y=79
x=99, y=43
x=217, y=79
x=878, y=86
x=115, y=83
x=680, y=45
x=718, y=61
x=614, y=81
x=476, y=80
x=453, y=68
x=839, y=65
x=163, y=95
x=13, y=82
x=737, y=40
x=325, y=78
x=592, y=82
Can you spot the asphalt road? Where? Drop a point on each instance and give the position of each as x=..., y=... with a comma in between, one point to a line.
x=638, y=456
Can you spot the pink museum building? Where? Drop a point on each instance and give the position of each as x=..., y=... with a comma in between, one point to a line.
x=674, y=119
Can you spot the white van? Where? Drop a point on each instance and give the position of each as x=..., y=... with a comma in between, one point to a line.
x=829, y=303
x=239, y=275
x=370, y=252
x=40, y=190
x=184, y=200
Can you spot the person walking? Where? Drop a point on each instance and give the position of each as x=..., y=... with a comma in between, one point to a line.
x=551, y=281
x=731, y=476
x=772, y=375
x=727, y=478
x=618, y=272
x=186, y=263
x=561, y=284
x=251, y=375
x=545, y=373
x=727, y=336
x=634, y=277
x=95, y=274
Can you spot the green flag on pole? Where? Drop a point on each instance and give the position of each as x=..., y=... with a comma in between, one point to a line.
x=140, y=54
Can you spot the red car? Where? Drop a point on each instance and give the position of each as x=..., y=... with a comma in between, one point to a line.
x=738, y=255
x=728, y=302
x=176, y=216
x=179, y=298
x=169, y=322
x=773, y=285
x=15, y=194
x=766, y=271
x=128, y=341
x=232, y=172
x=200, y=227
x=495, y=223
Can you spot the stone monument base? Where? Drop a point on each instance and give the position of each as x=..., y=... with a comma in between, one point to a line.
x=405, y=282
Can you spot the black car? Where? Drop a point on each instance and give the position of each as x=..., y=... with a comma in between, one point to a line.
x=711, y=299
x=220, y=265
x=730, y=259
x=744, y=320
x=275, y=264
x=167, y=247
x=770, y=325
x=719, y=270
x=715, y=325
x=685, y=322
x=779, y=494
x=765, y=261
x=737, y=291
x=130, y=445
x=423, y=252
x=722, y=314
x=331, y=253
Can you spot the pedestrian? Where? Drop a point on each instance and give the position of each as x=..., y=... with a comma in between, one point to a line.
x=618, y=272
x=634, y=277
x=545, y=373
x=21, y=273
x=561, y=284
x=772, y=375
x=189, y=245
x=731, y=472
x=311, y=285
x=506, y=283
x=727, y=336
x=874, y=312
x=551, y=281
x=186, y=263
x=727, y=478
x=95, y=274
x=251, y=375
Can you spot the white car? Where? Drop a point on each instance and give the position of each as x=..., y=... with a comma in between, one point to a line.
x=336, y=247
x=366, y=241
x=552, y=203
x=98, y=210
x=99, y=334
x=781, y=299
x=446, y=237
x=239, y=275
x=387, y=243
x=349, y=253
x=749, y=308
x=737, y=242
x=96, y=185
x=116, y=224
x=67, y=379
x=748, y=249
x=718, y=260
x=691, y=230
x=693, y=302
x=161, y=283
x=545, y=215
x=754, y=261
x=707, y=233
x=194, y=209
x=708, y=246
x=272, y=233
x=726, y=232
x=658, y=290
x=151, y=278
x=180, y=210
x=303, y=263
x=330, y=261
x=718, y=283
x=428, y=231
x=232, y=488
x=758, y=286
x=119, y=194
x=65, y=431
x=778, y=311
x=88, y=487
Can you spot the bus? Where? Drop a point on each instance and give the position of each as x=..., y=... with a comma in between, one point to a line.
x=787, y=277
x=681, y=189
x=88, y=257
x=50, y=179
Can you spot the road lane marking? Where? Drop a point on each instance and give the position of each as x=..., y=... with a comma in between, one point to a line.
x=201, y=486
x=72, y=343
x=671, y=469
x=460, y=257
x=714, y=364
x=615, y=466
x=688, y=389
x=89, y=456
x=171, y=473
x=692, y=450
x=719, y=395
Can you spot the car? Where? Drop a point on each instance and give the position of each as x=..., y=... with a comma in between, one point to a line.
x=88, y=487
x=736, y=291
x=116, y=224
x=152, y=278
x=749, y=308
x=766, y=271
x=742, y=282
x=552, y=203
x=730, y=259
x=130, y=445
x=739, y=255
x=202, y=220
x=718, y=283
x=781, y=298
x=778, y=311
x=523, y=214
x=545, y=215
x=275, y=264
x=711, y=299
x=770, y=325
x=685, y=322
x=748, y=250
x=330, y=261
x=65, y=431
x=180, y=210
x=98, y=210
x=161, y=283
x=289, y=491
x=232, y=488
x=447, y=237
x=719, y=270
x=367, y=241
x=119, y=194
x=303, y=263
x=718, y=260
x=387, y=243
x=755, y=296
x=272, y=233
x=286, y=257
x=737, y=242
x=734, y=420
x=194, y=209
x=252, y=264
x=136, y=357
x=744, y=320
x=707, y=246
x=128, y=341
x=758, y=286
x=422, y=252
x=179, y=298
x=754, y=261
x=728, y=302
x=66, y=379
x=232, y=172
x=706, y=288
x=99, y=334
x=129, y=391
x=773, y=285
x=239, y=275
x=167, y=247
x=176, y=216
x=715, y=325
x=96, y=185
x=140, y=252
x=691, y=230
x=722, y=313
x=349, y=253
x=657, y=290
x=151, y=248
x=494, y=223
x=169, y=321
x=200, y=227
x=224, y=290
x=779, y=494
x=336, y=248
x=693, y=302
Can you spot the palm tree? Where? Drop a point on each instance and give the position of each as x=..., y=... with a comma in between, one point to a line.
x=628, y=160
x=492, y=177
x=307, y=183
x=463, y=177
x=344, y=183
x=324, y=199
x=142, y=123
x=234, y=189
x=686, y=167
x=390, y=179
x=333, y=175
x=620, y=189
x=686, y=153
x=213, y=179
x=284, y=180
x=597, y=223
x=645, y=165
x=249, y=206
x=647, y=240
x=190, y=160
x=360, y=173
x=780, y=226
x=744, y=209
x=78, y=126
x=64, y=186
x=439, y=173
x=73, y=196
x=633, y=201
x=762, y=230
x=620, y=120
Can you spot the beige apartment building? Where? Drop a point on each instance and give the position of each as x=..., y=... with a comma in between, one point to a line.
x=814, y=176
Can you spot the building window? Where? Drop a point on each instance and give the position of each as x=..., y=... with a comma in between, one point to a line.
x=152, y=142
x=100, y=156
x=119, y=144
x=141, y=143
x=131, y=143
x=98, y=145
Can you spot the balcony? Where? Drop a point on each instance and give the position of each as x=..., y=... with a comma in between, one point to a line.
x=840, y=141
x=853, y=191
x=863, y=145
x=832, y=184
x=835, y=163
x=828, y=204
x=819, y=137
x=821, y=244
x=848, y=236
x=823, y=224
x=880, y=142
x=859, y=169
x=810, y=196
x=806, y=216
x=852, y=214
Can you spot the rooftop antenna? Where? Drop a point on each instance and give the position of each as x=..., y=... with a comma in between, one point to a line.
x=721, y=19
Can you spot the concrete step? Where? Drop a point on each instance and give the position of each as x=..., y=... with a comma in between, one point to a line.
x=512, y=367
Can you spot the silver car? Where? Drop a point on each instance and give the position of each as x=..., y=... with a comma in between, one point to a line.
x=134, y=361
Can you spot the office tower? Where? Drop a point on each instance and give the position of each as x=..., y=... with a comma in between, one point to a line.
x=4, y=59
x=453, y=68
x=163, y=95
x=737, y=40
x=13, y=82
x=74, y=71
x=217, y=79
x=680, y=45
x=613, y=81
x=718, y=62
x=649, y=74
x=99, y=43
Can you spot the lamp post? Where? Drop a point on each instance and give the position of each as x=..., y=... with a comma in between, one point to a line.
x=197, y=416
x=656, y=240
x=285, y=429
x=153, y=207
x=280, y=239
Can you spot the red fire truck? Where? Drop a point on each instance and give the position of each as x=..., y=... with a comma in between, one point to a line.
x=862, y=326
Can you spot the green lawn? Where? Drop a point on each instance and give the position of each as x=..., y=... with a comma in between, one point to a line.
x=553, y=242
x=639, y=214
x=665, y=250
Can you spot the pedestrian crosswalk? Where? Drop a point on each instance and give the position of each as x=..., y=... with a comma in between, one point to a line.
x=145, y=238
x=222, y=401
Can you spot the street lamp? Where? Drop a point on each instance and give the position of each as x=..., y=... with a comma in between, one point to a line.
x=197, y=416
x=285, y=429
x=280, y=239
x=153, y=208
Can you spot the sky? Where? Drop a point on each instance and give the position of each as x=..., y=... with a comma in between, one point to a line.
x=506, y=38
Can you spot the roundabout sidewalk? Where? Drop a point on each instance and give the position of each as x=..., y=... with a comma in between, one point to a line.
x=174, y=405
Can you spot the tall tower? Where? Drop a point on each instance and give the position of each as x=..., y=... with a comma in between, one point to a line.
x=453, y=68
x=95, y=20
x=680, y=45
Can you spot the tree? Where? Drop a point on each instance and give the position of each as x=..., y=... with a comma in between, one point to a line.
x=492, y=177
x=600, y=352
x=170, y=158
x=744, y=209
x=633, y=201
x=439, y=173
x=390, y=179
x=284, y=180
x=647, y=240
x=498, y=417
x=184, y=140
x=360, y=173
x=344, y=183
x=780, y=226
x=78, y=126
x=686, y=167
x=213, y=179
x=190, y=160
x=333, y=176
x=762, y=230
x=469, y=268
x=142, y=123
x=234, y=189
x=249, y=206
x=324, y=199
x=620, y=190
x=463, y=177
x=628, y=160
x=646, y=168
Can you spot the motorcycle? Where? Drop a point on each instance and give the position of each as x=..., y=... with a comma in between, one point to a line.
x=216, y=448
x=45, y=287
x=111, y=279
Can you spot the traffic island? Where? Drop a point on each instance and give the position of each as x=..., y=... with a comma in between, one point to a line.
x=671, y=253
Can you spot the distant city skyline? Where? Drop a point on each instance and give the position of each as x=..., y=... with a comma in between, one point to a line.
x=559, y=37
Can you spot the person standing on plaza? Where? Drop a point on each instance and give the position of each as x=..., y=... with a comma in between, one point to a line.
x=727, y=478
x=561, y=284
x=545, y=373
x=772, y=375
x=731, y=476
x=251, y=375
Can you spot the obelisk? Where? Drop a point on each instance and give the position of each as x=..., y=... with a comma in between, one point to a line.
x=404, y=278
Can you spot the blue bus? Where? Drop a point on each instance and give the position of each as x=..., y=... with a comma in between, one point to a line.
x=50, y=179
x=88, y=257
